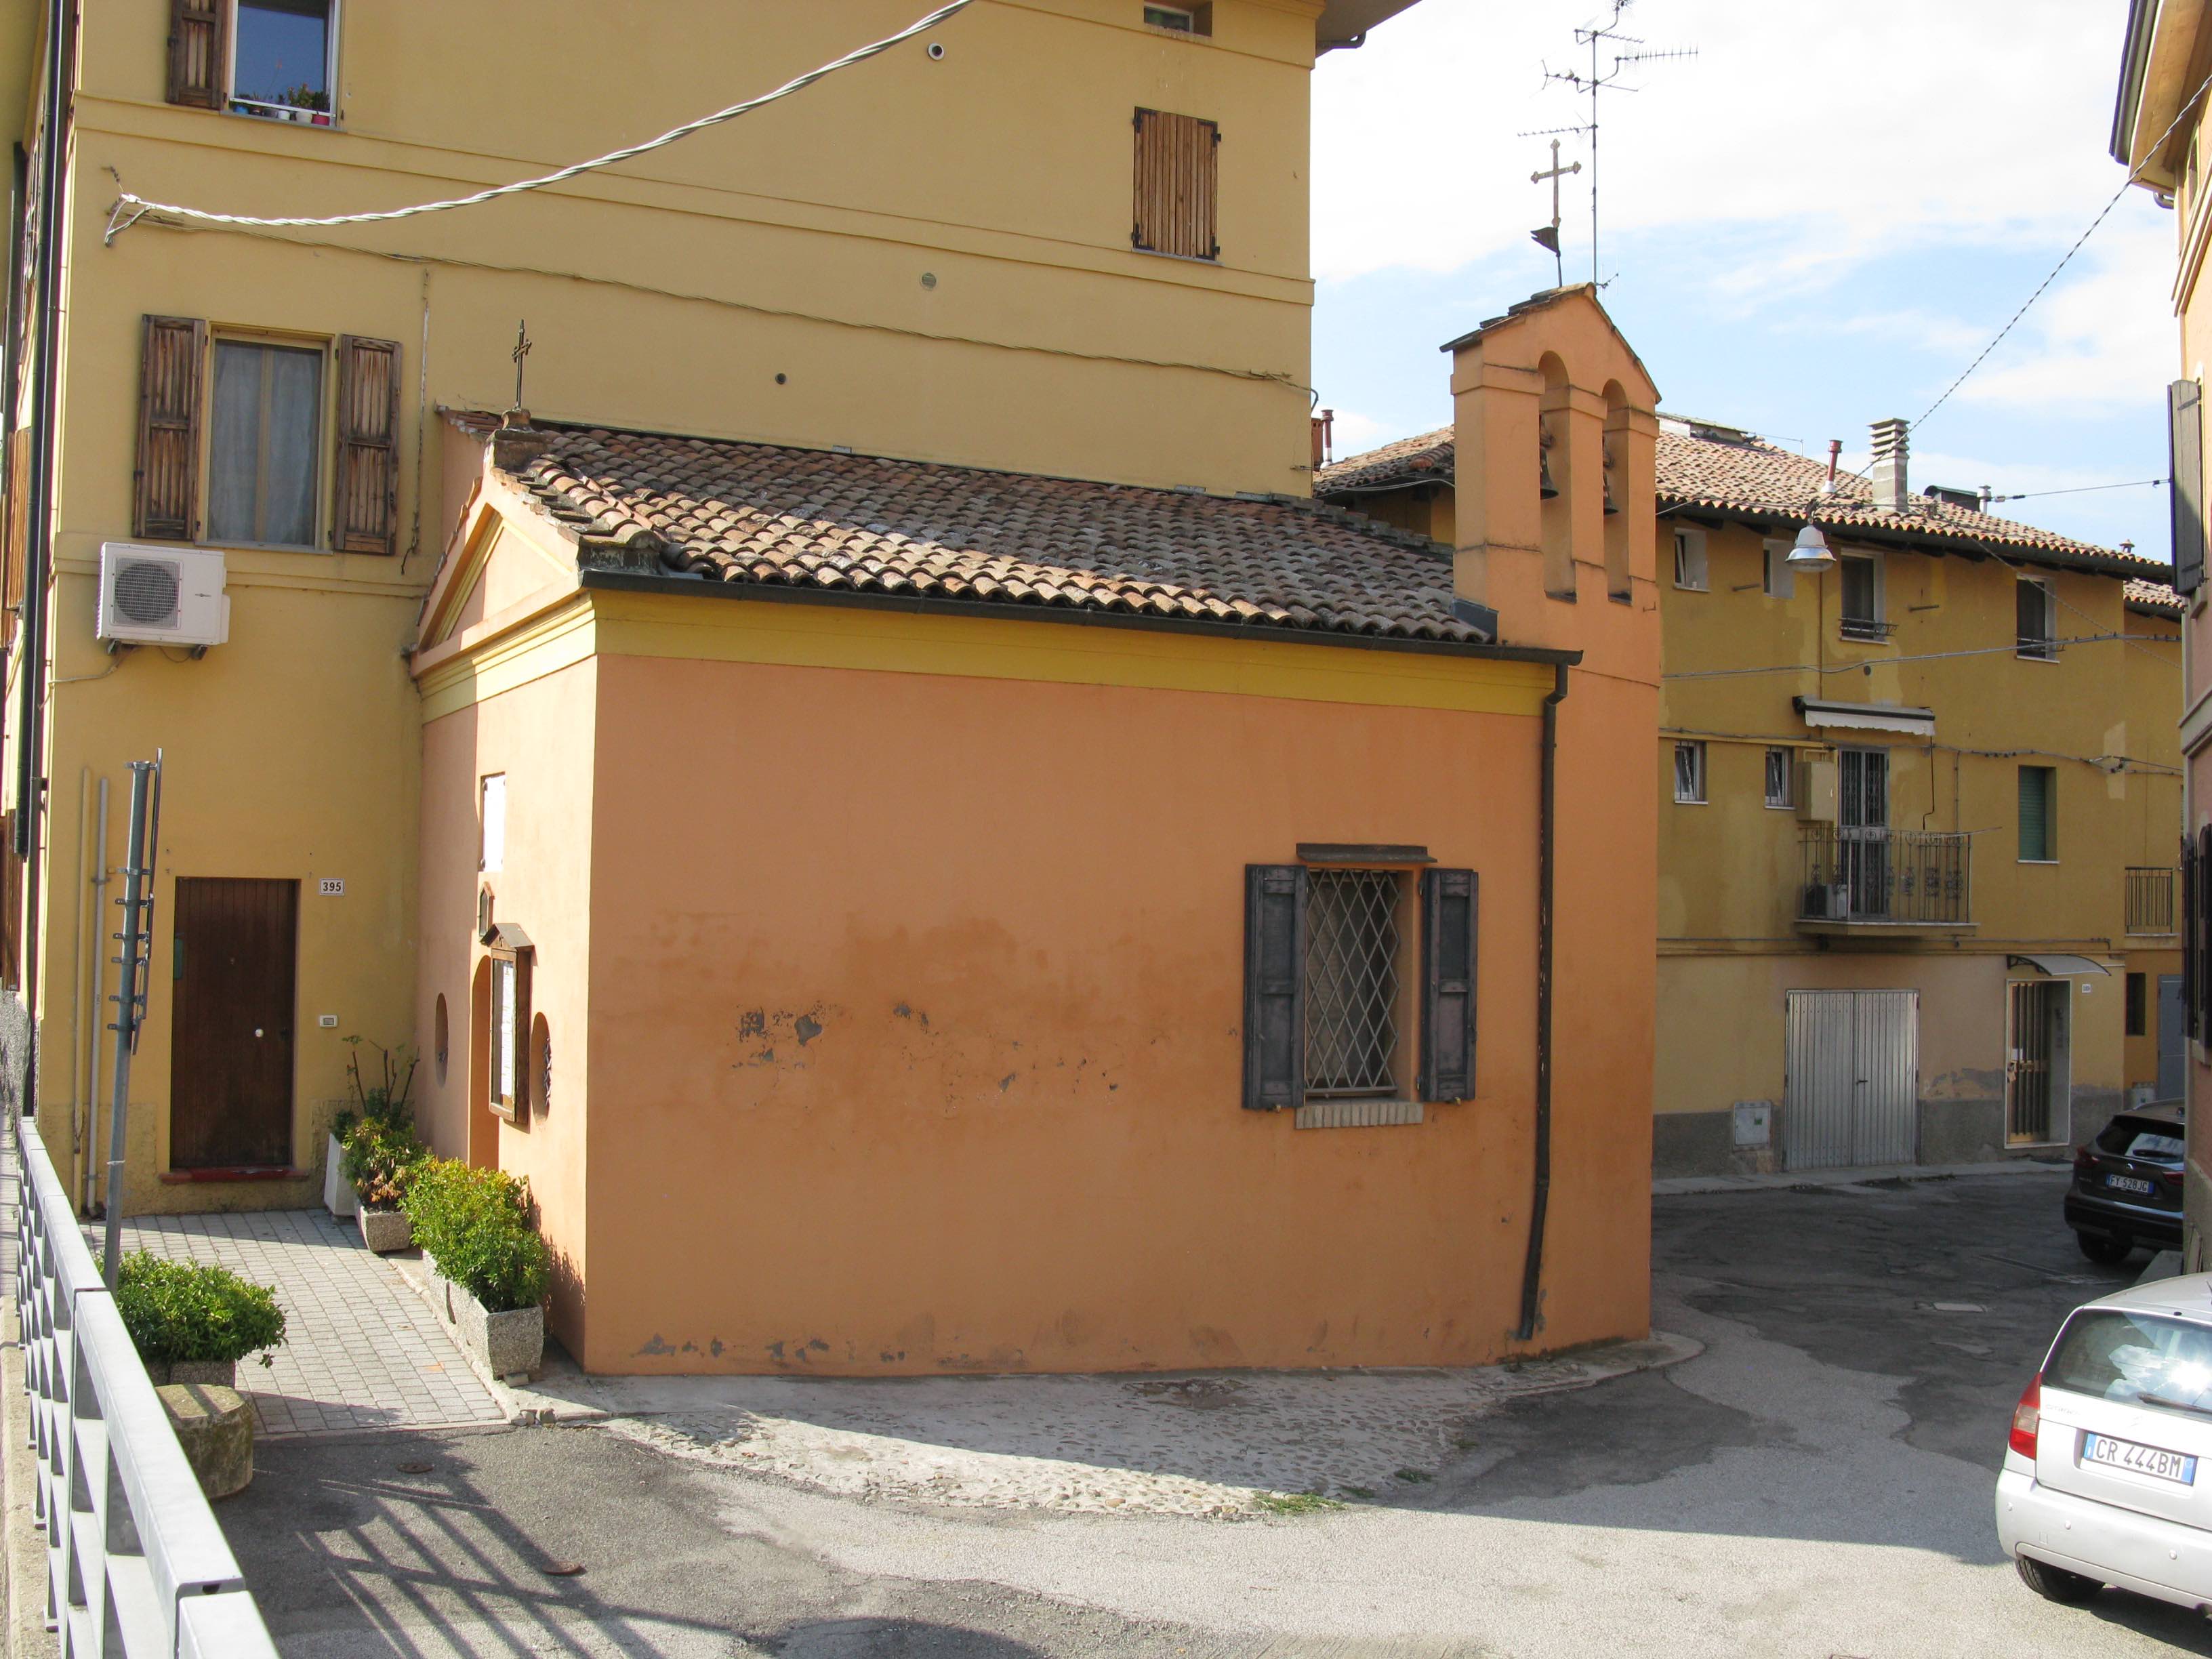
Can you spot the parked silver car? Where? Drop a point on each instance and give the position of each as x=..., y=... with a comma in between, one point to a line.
x=2108, y=1476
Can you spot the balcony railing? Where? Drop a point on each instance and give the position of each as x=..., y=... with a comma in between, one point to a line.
x=1908, y=878
x=2150, y=899
x=1867, y=627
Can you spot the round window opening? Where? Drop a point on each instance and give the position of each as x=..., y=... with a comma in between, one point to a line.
x=438, y=1036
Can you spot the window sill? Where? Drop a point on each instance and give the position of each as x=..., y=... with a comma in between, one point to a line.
x=1782, y=806
x=1684, y=587
x=263, y=547
x=282, y=115
x=2049, y=861
x=1356, y=1114
x=2051, y=657
x=1683, y=800
x=1180, y=258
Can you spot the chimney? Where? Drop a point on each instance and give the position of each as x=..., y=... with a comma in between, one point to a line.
x=1324, y=438
x=1890, y=489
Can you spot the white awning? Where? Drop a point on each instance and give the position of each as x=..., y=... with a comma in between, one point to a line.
x=2058, y=966
x=1867, y=716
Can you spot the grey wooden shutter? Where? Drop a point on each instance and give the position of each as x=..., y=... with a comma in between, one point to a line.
x=1274, y=987
x=166, y=499
x=2185, y=455
x=199, y=51
x=1177, y=174
x=365, y=496
x=1451, y=918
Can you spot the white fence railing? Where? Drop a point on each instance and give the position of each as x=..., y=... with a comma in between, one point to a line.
x=137, y=1565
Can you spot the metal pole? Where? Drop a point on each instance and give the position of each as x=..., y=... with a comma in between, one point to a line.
x=126, y=1012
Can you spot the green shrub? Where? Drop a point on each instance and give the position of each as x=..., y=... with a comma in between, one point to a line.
x=381, y=1157
x=179, y=1312
x=475, y=1222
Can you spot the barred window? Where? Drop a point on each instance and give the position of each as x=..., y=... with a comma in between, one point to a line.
x=1690, y=772
x=1353, y=938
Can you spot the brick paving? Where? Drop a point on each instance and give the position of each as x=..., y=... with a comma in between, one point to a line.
x=362, y=1351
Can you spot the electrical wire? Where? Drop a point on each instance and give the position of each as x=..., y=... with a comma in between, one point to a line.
x=2083, y=490
x=2134, y=174
x=129, y=209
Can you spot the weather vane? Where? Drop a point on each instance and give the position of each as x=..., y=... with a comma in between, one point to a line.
x=1595, y=36
x=1548, y=235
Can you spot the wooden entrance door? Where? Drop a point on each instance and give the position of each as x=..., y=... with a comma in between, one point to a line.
x=230, y=1059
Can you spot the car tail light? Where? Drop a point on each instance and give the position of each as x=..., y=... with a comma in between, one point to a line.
x=2170, y=1178
x=2027, y=1417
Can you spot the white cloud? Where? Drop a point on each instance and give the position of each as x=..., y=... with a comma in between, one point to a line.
x=1838, y=133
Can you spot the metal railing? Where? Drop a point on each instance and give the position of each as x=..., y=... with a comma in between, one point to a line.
x=1867, y=627
x=1908, y=875
x=137, y=1564
x=2150, y=899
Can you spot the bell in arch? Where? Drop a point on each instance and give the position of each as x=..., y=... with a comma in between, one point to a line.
x=1545, y=486
x=1611, y=507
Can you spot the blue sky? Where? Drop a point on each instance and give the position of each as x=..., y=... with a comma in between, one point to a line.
x=1816, y=223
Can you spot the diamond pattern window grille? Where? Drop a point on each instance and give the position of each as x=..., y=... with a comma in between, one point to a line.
x=1352, y=982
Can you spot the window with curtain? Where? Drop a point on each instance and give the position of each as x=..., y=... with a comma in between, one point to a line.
x=264, y=441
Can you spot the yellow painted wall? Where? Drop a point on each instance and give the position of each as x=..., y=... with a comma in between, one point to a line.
x=922, y=259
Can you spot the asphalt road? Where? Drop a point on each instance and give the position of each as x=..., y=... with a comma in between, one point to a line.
x=1818, y=1482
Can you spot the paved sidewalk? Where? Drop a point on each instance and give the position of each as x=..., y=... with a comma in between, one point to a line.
x=361, y=1350
x=1875, y=1175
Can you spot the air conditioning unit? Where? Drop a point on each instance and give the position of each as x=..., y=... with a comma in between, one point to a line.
x=162, y=595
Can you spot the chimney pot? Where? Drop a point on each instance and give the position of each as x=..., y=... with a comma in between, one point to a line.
x=1892, y=486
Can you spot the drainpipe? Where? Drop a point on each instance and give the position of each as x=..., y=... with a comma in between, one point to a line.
x=30, y=782
x=1532, y=1274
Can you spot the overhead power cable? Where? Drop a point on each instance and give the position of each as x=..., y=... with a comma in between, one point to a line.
x=2065, y=259
x=130, y=209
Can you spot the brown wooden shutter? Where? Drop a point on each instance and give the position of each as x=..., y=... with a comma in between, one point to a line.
x=17, y=531
x=2191, y=969
x=2199, y=932
x=2185, y=455
x=365, y=500
x=167, y=507
x=1274, y=987
x=1178, y=169
x=199, y=51
x=1450, y=915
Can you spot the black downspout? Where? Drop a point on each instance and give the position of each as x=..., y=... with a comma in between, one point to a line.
x=30, y=784
x=1532, y=1274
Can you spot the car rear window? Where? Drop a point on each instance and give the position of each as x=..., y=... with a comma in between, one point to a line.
x=2135, y=1137
x=2116, y=1355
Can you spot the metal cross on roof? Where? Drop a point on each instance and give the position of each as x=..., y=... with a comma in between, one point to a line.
x=1548, y=235
x=522, y=344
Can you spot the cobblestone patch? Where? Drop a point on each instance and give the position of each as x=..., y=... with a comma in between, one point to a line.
x=1227, y=1445
x=361, y=1352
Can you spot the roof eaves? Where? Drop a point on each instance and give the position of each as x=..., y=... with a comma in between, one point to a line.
x=637, y=581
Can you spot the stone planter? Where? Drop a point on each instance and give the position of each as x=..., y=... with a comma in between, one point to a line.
x=386, y=1231
x=216, y=1373
x=510, y=1345
x=338, y=1196
x=215, y=1426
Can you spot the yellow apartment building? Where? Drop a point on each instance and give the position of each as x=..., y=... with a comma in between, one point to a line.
x=2158, y=136
x=1917, y=887
x=937, y=255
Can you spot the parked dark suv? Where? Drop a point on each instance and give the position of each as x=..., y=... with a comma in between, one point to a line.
x=2127, y=1185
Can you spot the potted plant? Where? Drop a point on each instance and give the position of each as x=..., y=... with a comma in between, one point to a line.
x=380, y=1159
x=191, y=1321
x=388, y=1098
x=489, y=1266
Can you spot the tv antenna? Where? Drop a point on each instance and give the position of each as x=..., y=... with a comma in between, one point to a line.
x=1599, y=37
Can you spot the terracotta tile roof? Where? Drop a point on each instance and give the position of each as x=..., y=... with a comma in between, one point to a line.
x=1700, y=465
x=2154, y=599
x=748, y=513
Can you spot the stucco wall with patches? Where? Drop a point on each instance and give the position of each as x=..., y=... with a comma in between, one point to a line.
x=916, y=1006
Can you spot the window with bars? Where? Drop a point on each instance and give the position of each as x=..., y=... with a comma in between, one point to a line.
x=1348, y=998
x=1690, y=774
x=1352, y=982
